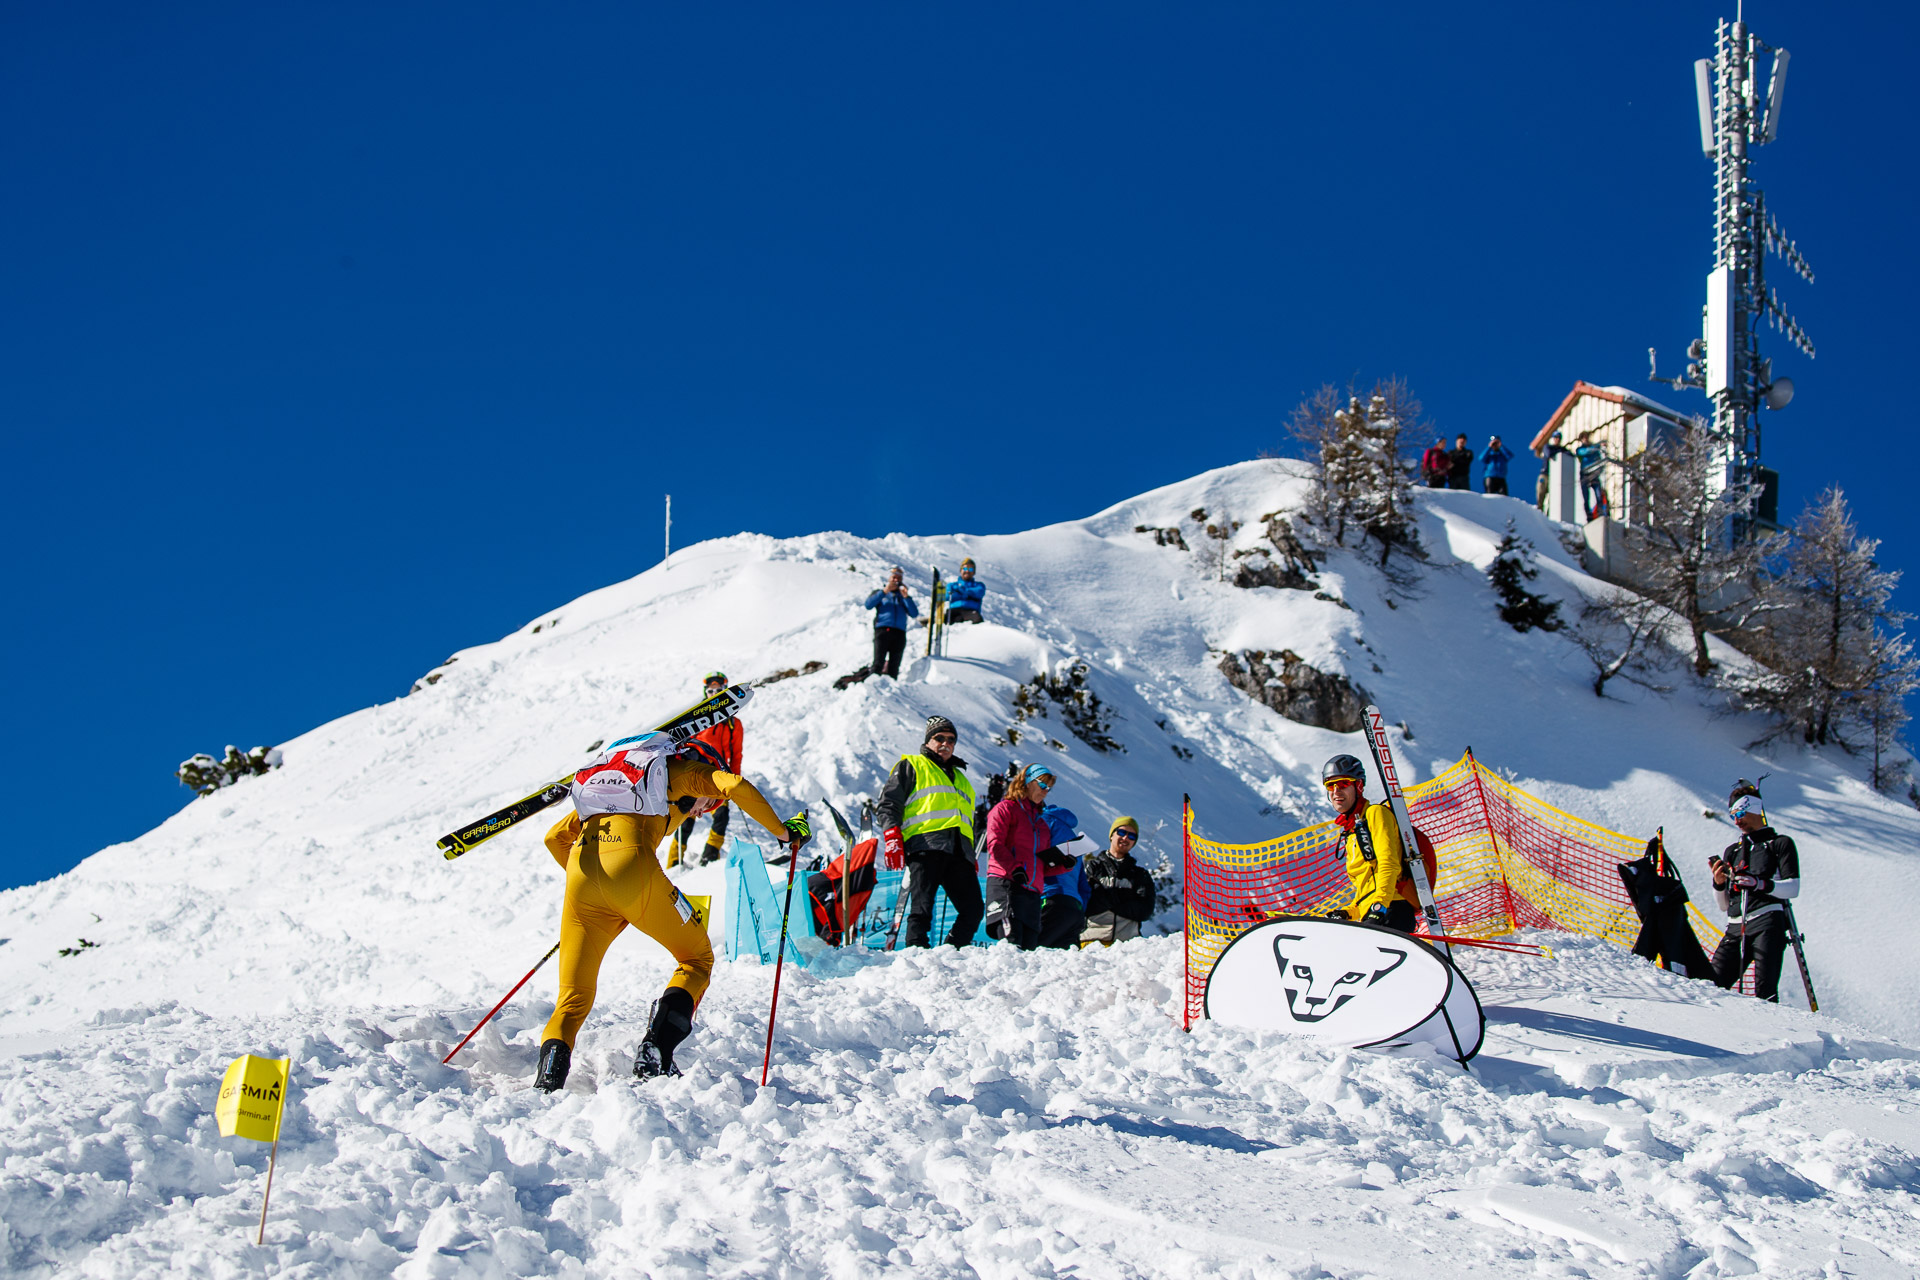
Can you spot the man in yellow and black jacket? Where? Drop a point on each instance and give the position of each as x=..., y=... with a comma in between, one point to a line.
x=925, y=813
x=1376, y=863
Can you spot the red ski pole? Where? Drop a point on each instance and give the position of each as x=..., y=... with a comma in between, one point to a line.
x=779, y=956
x=503, y=1004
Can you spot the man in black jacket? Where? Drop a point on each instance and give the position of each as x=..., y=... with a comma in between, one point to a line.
x=1753, y=880
x=1460, y=465
x=1121, y=889
x=925, y=814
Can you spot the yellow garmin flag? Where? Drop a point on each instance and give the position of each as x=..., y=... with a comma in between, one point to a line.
x=252, y=1098
x=702, y=904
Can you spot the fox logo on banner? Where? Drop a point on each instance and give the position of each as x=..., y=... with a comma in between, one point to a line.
x=1344, y=983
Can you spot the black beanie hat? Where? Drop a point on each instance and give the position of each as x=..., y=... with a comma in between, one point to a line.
x=938, y=724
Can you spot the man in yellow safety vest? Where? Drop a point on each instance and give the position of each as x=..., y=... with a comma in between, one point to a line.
x=925, y=813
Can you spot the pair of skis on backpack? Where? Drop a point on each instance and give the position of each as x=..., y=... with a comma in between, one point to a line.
x=680, y=726
x=1397, y=800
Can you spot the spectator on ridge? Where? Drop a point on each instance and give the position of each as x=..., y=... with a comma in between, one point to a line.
x=925, y=815
x=729, y=739
x=964, y=595
x=1460, y=464
x=1493, y=465
x=1434, y=464
x=1555, y=447
x=1122, y=889
x=1593, y=493
x=1017, y=835
x=892, y=609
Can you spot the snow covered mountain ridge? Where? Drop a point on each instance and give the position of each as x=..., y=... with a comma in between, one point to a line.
x=989, y=1113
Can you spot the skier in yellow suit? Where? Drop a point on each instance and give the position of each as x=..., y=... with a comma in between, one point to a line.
x=1382, y=889
x=613, y=880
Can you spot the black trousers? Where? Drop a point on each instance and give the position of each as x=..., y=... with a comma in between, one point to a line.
x=963, y=615
x=1763, y=947
x=1013, y=913
x=929, y=873
x=1460, y=482
x=1061, y=920
x=1496, y=484
x=715, y=837
x=888, y=644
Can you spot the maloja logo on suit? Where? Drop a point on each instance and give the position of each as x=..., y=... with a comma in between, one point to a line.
x=1344, y=983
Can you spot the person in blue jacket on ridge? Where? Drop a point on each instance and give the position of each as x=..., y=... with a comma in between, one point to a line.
x=965, y=594
x=1064, y=891
x=892, y=609
x=1493, y=465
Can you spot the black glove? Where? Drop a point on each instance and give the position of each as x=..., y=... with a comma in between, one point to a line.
x=1376, y=914
x=1018, y=878
x=1337, y=914
x=1054, y=858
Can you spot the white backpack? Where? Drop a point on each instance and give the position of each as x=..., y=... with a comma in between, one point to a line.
x=628, y=777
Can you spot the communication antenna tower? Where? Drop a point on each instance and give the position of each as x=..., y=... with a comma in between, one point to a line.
x=1725, y=361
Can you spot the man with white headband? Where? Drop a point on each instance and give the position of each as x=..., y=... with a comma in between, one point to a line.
x=1753, y=880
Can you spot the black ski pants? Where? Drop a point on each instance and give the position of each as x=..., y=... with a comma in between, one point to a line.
x=1061, y=920
x=888, y=644
x=1496, y=484
x=1013, y=913
x=1763, y=947
x=929, y=873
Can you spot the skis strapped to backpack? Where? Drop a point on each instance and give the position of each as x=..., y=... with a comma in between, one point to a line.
x=679, y=726
x=1397, y=799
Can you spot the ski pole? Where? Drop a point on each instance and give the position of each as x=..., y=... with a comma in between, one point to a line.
x=503, y=1003
x=1491, y=944
x=779, y=957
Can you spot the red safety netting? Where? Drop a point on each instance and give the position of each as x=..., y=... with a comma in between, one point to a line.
x=1507, y=861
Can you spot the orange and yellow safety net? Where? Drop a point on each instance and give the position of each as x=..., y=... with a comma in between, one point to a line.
x=1507, y=861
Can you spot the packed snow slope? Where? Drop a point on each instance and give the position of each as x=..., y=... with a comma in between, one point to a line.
x=989, y=1112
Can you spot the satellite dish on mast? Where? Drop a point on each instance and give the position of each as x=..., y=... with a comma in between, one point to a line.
x=1779, y=393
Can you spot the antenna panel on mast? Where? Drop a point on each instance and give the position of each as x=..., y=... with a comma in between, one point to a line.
x=1703, y=89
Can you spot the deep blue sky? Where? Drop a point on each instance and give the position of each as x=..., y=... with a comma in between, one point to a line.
x=314, y=319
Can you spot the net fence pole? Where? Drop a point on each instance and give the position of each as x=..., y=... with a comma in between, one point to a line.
x=1486, y=816
x=1186, y=912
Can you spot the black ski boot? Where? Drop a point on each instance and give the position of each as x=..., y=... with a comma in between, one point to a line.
x=555, y=1060
x=671, y=1023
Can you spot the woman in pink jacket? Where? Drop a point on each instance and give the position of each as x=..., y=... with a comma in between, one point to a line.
x=1018, y=841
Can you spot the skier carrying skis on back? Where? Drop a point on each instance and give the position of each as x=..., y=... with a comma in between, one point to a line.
x=1753, y=880
x=1382, y=888
x=729, y=739
x=624, y=803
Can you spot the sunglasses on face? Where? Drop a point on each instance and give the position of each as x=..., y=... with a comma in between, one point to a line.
x=1045, y=784
x=943, y=737
x=1125, y=835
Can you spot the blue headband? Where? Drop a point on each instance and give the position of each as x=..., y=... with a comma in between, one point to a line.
x=1037, y=771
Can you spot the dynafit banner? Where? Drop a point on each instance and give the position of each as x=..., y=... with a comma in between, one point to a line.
x=253, y=1097
x=1345, y=983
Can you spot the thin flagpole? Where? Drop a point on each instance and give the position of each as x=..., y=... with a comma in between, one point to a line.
x=274, y=1156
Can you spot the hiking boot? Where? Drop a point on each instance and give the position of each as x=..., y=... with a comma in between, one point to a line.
x=670, y=1023
x=555, y=1060
x=652, y=1061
